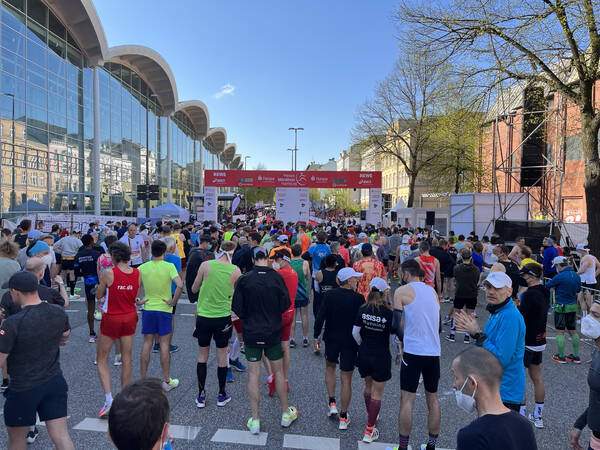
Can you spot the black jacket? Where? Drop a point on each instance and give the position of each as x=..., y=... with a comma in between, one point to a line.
x=534, y=305
x=197, y=257
x=467, y=278
x=338, y=311
x=259, y=299
x=446, y=261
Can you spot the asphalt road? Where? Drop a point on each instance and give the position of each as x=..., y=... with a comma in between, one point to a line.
x=220, y=428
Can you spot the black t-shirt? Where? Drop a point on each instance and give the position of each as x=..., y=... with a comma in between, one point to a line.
x=186, y=246
x=376, y=326
x=86, y=264
x=339, y=265
x=197, y=257
x=512, y=270
x=534, y=305
x=46, y=294
x=508, y=431
x=338, y=310
x=31, y=338
x=329, y=281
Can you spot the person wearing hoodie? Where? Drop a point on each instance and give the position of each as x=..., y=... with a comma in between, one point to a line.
x=466, y=276
x=534, y=305
x=566, y=284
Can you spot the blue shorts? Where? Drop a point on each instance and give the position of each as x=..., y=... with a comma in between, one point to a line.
x=156, y=322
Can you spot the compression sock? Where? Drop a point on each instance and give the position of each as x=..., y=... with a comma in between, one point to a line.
x=575, y=344
x=373, y=411
x=71, y=287
x=331, y=400
x=201, y=373
x=431, y=441
x=367, y=400
x=523, y=410
x=560, y=344
x=222, y=377
x=403, y=442
x=539, y=409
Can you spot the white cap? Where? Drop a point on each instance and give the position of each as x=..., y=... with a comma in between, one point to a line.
x=582, y=247
x=283, y=237
x=499, y=279
x=328, y=229
x=419, y=236
x=405, y=239
x=559, y=260
x=379, y=284
x=362, y=235
x=347, y=273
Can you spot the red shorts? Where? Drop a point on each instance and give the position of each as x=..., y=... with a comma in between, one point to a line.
x=287, y=318
x=116, y=326
x=183, y=263
x=237, y=324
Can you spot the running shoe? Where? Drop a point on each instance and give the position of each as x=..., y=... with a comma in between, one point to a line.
x=317, y=350
x=103, y=414
x=32, y=435
x=371, y=434
x=222, y=400
x=242, y=349
x=253, y=425
x=447, y=320
x=92, y=338
x=172, y=384
x=344, y=422
x=559, y=359
x=229, y=378
x=4, y=386
x=173, y=348
x=467, y=340
x=574, y=359
x=201, y=401
x=271, y=383
x=97, y=315
x=332, y=409
x=74, y=297
x=450, y=338
x=237, y=365
x=538, y=422
x=292, y=343
x=118, y=361
x=288, y=417
x=156, y=348
x=305, y=342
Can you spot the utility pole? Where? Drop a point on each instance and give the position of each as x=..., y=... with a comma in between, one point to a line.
x=292, y=150
x=246, y=189
x=295, y=159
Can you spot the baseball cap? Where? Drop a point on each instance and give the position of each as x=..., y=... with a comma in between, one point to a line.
x=347, y=273
x=283, y=237
x=362, y=235
x=259, y=253
x=559, y=260
x=22, y=281
x=498, y=280
x=405, y=239
x=550, y=240
x=379, y=284
x=283, y=253
x=529, y=271
x=38, y=247
x=582, y=247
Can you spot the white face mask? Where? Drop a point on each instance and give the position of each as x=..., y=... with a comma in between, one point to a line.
x=47, y=259
x=465, y=402
x=276, y=266
x=590, y=327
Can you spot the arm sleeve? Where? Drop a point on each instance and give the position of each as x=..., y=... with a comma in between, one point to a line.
x=320, y=317
x=397, y=323
x=356, y=334
x=505, y=341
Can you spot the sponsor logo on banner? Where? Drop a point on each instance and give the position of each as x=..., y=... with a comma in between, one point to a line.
x=281, y=178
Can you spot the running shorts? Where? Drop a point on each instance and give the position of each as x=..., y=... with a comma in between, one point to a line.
x=565, y=320
x=157, y=322
x=116, y=326
x=344, y=355
x=217, y=328
x=67, y=264
x=516, y=407
x=385, y=261
x=413, y=366
x=287, y=319
x=532, y=358
x=183, y=263
x=590, y=286
x=392, y=258
x=301, y=302
x=255, y=354
x=461, y=302
x=378, y=367
x=48, y=400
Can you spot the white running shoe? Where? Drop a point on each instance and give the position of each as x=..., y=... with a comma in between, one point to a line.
x=333, y=411
x=172, y=384
x=344, y=422
x=371, y=435
x=538, y=422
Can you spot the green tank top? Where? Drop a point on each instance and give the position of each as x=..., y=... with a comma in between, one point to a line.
x=228, y=235
x=214, y=298
x=301, y=292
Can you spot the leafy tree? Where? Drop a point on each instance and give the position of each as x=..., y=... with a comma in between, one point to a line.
x=258, y=194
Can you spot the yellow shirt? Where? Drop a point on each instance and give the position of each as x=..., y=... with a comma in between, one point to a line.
x=529, y=261
x=179, y=242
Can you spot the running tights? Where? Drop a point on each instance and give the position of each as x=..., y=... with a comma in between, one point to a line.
x=201, y=373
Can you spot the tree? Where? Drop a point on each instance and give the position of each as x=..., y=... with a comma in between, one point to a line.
x=549, y=43
x=259, y=194
x=397, y=120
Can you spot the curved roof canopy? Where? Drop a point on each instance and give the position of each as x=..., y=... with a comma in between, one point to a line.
x=215, y=140
x=237, y=162
x=228, y=154
x=198, y=114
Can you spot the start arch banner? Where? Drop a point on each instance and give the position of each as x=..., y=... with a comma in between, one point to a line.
x=292, y=179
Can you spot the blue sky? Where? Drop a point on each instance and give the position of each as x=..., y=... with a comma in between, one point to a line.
x=277, y=64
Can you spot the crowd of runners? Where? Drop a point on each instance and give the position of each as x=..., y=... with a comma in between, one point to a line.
x=252, y=281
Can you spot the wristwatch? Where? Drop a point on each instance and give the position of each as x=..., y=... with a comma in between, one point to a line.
x=479, y=338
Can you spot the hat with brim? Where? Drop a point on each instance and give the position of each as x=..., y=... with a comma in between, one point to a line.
x=346, y=273
x=379, y=283
x=22, y=282
x=499, y=280
x=559, y=261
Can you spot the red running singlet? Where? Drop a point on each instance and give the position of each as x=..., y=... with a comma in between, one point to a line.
x=120, y=295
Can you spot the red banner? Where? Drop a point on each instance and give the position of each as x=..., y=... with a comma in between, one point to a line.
x=286, y=178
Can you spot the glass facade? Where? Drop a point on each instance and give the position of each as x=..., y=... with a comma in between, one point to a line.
x=47, y=126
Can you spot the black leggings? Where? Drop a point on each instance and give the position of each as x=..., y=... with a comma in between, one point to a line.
x=90, y=296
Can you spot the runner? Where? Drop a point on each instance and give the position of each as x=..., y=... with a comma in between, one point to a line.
x=338, y=311
x=327, y=279
x=67, y=248
x=403, y=250
x=259, y=299
x=116, y=295
x=158, y=307
x=214, y=284
x=466, y=275
x=508, y=267
x=421, y=355
x=370, y=268
x=515, y=253
x=371, y=331
x=136, y=244
x=549, y=254
x=534, y=305
x=565, y=285
x=314, y=255
x=301, y=300
x=29, y=348
x=172, y=258
x=589, y=270
x=431, y=267
x=86, y=266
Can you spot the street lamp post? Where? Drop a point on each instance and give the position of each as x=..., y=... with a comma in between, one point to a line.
x=292, y=150
x=13, y=195
x=295, y=146
x=246, y=189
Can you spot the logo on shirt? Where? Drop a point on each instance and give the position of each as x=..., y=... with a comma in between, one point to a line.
x=2, y=332
x=125, y=288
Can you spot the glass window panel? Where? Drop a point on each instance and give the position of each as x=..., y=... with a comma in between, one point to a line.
x=36, y=53
x=12, y=63
x=56, y=26
x=12, y=85
x=36, y=75
x=36, y=117
x=73, y=93
x=37, y=96
x=36, y=135
x=57, y=123
x=13, y=41
x=71, y=41
x=56, y=85
x=36, y=33
x=37, y=11
x=57, y=104
x=73, y=129
x=14, y=19
x=56, y=63
x=72, y=111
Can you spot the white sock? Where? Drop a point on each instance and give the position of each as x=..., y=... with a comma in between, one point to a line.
x=235, y=349
x=539, y=409
x=523, y=410
x=304, y=337
x=108, y=399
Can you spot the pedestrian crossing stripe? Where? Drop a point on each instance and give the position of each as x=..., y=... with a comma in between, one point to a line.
x=310, y=442
x=177, y=431
x=239, y=437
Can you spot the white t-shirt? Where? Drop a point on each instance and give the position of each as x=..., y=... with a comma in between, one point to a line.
x=136, y=245
x=422, y=321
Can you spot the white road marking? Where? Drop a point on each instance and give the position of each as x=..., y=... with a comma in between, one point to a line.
x=239, y=437
x=100, y=425
x=385, y=446
x=186, y=314
x=71, y=310
x=310, y=442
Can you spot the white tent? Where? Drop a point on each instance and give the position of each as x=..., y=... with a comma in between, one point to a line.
x=170, y=210
x=397, y=207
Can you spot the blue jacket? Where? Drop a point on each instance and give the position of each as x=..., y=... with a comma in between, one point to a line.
x=566, y=284
x=505, y=331
x=549, y=254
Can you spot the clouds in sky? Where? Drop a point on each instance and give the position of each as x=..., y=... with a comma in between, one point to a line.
x=227, y=89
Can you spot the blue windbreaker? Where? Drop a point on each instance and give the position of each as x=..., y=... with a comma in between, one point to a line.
x=566, y=284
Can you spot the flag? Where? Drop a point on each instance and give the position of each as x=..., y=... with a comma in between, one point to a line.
x=234, y=204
